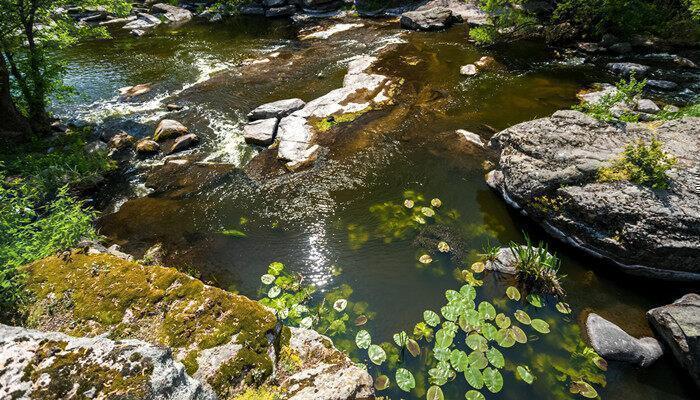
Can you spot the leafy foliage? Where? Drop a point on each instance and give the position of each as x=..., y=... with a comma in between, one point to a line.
x=508, y=21
x=536, y=267
x=641, y=163
x=625, y=95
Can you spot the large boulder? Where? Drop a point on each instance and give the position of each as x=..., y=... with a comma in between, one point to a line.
x=52, y=365
x=184, y=142
x=628, y=68
x=428, y=20
x=276, y=109
x=678, y=325
x=614, y=344
x=548, y=169
x=172, y=13
x=261, y=132
x=168, y=129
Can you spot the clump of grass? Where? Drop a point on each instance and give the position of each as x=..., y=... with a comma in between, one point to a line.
x=625, y=94
x=537, y=268
x=641, y=163
x=489, y=252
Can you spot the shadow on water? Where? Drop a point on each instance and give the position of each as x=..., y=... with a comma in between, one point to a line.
x=319, y=219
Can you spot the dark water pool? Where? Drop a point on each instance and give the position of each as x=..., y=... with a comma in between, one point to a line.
x=330, y=218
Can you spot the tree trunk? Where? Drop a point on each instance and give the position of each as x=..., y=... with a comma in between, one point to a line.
x=14, y=125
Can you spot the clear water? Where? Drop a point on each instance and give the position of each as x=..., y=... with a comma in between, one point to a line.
x=305, y=220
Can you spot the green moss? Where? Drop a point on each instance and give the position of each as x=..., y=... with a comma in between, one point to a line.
x=248, y=366
x=325, y=124
x=262, y=393
x=190, y=362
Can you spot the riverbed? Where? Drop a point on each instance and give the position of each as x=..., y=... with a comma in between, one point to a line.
x=332, y=223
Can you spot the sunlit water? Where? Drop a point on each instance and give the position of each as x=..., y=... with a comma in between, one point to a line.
x=309, y=220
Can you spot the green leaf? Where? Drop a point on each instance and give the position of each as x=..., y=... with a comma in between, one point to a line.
x=443, y=338
x=401, y=338
x=376, y=354
x=493, y=380
x=450, y=312
x=459, y=360
x=518, y=334
x=435, y=393
x=477, y=342
x=495, y=357
x=267, y=279
x=474, y=377
x=431, y=318
x=441, y=353
x=486, y=310
x=452, y=295
x=505, y=338
x=405, y=379
x=474, y=395
x=522, y=317
x=488, y=331
x=233, y=232
x=363, y=339
x=413, y=347
x=275, y=268
x=468, y=291
x=478, y=360
x=584, y=389
x=563, y=308
x=534, y=299
x=382, y=382
x=540, y=325
x=525, y=374
x=502, y=321
x=513, y=293
x=274, y=292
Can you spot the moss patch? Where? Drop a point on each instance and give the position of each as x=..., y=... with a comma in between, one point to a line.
x=325, y=124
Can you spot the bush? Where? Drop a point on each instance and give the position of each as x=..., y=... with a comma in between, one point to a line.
x=641, y=163
x=626, y=94
x=537, y=268
x=508, y=21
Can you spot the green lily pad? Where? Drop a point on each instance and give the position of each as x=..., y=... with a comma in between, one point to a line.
x=408, y=203
x=459, y=360
x=502, y=321
x=468, y=291
x=584, y=389
x=443, y=247
x=340, y=304
x=540, y=326
x=477, y=359
x=363, y=339
x=444, y=338
x=474, y=377
x=495, y=357
x=478, y=267
x=436, y=202
x=474, y=395
x=518, y=334
x=513, y=293
x=275, y=268
x=382, y=382
x=405, y=379
x=493, y=380
x=267, y=279
x=360, y=320
x=428, y=212
x=376, y=354
x=486, y=311
x=401, y=338
x=431, y=318
x=274, y=292
x=477, y=342
x=450, y=312
x=504, y=338
x=435, y=393
x=524, y=373
x=488, y=331
x=522, y=317
x=425, y=259
x=441, y=353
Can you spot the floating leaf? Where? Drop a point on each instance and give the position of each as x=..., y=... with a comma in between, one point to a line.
x=540, y=325
x=486, y=310
x=474, y=395
x=450, y=312
x=534, y=299
x=443, y=338
x=477, y=359
x=469, y=292
x=443, y=247
x=584, y=389
x=306, y=322
x=522, y=317
x=267, y=279
x=405, y=379
x=435, y=393
x=495, y=357
x=363, y=339
x=422, y=330
x=427, y=211
x=513, y=293
x=477, y=342
x=441, y=353
x=478, y=267
x=525, y=374
x=436, y=202
x=274, y=292
x=488, y=331
x=401, y=338
x=408, y=203
x=474, y=377
x=441, y=373
x=601, y=363
x=413, y=347
x=275, y=268
x=425, y=259
x=431, y=318
x=502, y=321
x=361, y=320
x=233, y=232
x=563, y=308
x=382, y=382
x=459, y=360
x=505, y=338
x=518, y=334
x=340, y=304
x=493, y=380
x=452, y=295
x=376, y=354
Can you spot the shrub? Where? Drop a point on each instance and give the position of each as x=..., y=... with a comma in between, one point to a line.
x=537, y=268
x=641, y=163
x=626, y=94
x=508, y=21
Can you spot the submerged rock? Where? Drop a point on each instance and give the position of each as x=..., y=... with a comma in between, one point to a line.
x=678, y=325
x=168, y=129
x=548, y=169
x=136, y=90
x=52, y=365
x=468, y=70
x=661, y=84
x=614, y=344
x=144, y=21
x=428, y=20
x=261, y=132
x=276, y=109
x=183, y=143
x=628, y=68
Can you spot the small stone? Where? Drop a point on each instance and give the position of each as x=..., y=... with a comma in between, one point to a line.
x=137, y=32
x=147, y=146
x=184, y=142
x=96, y=147
x=115, y=250
x=427, y=20
x=661, y=84
x=621, y=48
x=57, y=126
x=173, y=107
x=485, y=62
x=121, y=141
x=169, y=128
x=276, y=109
x=471, y=137
x=468, y=70
x=608, y=40
x=280, y=11
x=614, y=344
x=647, y=106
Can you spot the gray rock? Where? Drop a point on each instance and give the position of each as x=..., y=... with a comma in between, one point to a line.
x=608, y=40
x=116, y=251
x=644, y=231
x=471, y=137
x=251, y=10
x=172, y=13
x=295, y=136
x=621, y=48
x=137, y=32
x=96, y=146
x=661, y=84
x=627, y=68
x=598, y=95
x=274, y=3
x=183, y=143
x=261, y=132
x=589, y=47
x=169, y=128
x=51, y=365
x=144, y=21
x=647, y=106
x=614, y=344
x=468, y=70
x=428, y=20
x=276, y=109
x=678, y=325
x=284, y=11
x=321, y=5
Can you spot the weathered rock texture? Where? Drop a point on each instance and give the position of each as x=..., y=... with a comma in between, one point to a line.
x=678, y=325
x=548, y=169
x=429, y=20
x=51, y=365
x=614, y=344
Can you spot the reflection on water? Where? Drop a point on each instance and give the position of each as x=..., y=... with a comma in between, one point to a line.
x=321, y=221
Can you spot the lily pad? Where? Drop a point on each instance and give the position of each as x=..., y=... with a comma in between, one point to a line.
x=477, y=359
x=450, y=312
x=435, y=393
x=535, y=300
x=478, y=267
x=525, y=374
x=361, y=320
x=488, y=331
x=306, y=322
x=584, y=389
x=267, y=279
x=563, y=308
x=486, y=310
x=436, y=202
x=340, y=304
x=459, y=360
x=493, y=380
x=474, y=377
x=376, y=354
x=522, y=317
x=363, y=339
x=425, y=259
x=518, y=334
x=413, y=347
x=408, y=203
x=405, y=379
x=495, y=357
x=441, y=353
x=540, y=326
x=274, y=292
x=502, y=321
x=443, y=247
x=443, y=338
x=513, y=293
x=468, y=291
x=401, y=338
x=474, y=395
x=382, y=382
x=427, y=211
x=275, y=268
x=431, y=318
x=477, y=342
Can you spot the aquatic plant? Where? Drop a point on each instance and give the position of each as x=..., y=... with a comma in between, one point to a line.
x=536, y=267
x=641, y=163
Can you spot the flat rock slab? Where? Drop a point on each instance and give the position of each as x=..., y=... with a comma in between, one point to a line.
x=614, y=344
x=429, y=20
x=276, y=109
x=678, y=325
x=184, y=142
x=261, y=132
x=548, y=169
